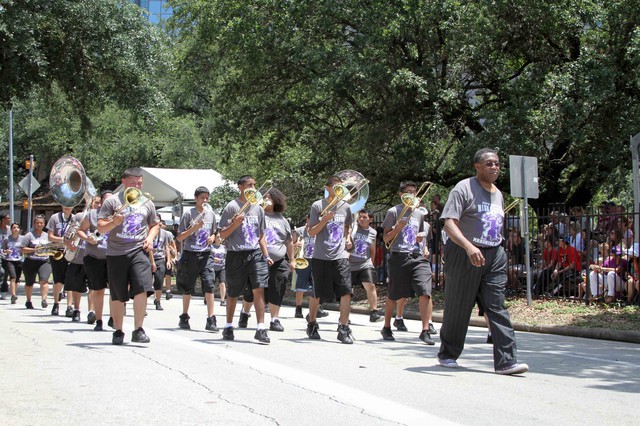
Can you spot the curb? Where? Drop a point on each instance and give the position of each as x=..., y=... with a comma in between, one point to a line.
x=627, y=336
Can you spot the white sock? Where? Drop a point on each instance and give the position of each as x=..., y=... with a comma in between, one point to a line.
x=273, y=319
x=227, y=325
x=398, y=317
x=261, y=326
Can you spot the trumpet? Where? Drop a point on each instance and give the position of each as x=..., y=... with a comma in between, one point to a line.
x=254, y=196
x=411, y=202
x=55, y=250
x=205, y=209
x=299, y=262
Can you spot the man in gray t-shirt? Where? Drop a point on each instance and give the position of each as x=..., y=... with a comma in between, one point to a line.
x=361, y=255
x=476, y=266
x=330, y=223
x=242, y=226
x=132, y=227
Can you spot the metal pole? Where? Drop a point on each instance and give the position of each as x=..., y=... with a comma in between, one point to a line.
x=11, y=162
x=30, y=180
x=527, y=252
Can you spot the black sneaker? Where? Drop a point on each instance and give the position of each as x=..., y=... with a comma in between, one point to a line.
x=184, y=322
x=321, y=313
x=44, y=304
x=398, y=323
x=118, y=337
x=425, y=337
x=14, y=299
x=76, y=315
x=110, y=322
x=312, y=331
x=227, y=333
x=28, y=304
x=243, y=322
x=62, y=295
x=56, y=309
x=223, y=302
x=387, y=334
x=432, y=329
x=69, y=312
x=158, y=305
x=374, y=316
x=344, y=334
x=168, y=295
x=489, y=339
x=139, y=336
x=262, y=336
x=299, y=312
x=276, y=326
x=98, y=326
x=91, y=317
x=212, y=324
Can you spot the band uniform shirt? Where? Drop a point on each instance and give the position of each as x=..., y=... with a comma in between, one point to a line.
x=308, y=241
x=330, y=241
x=219, y=255
x=277, y=233
x=407, y=239
x=98, y=251
x=197, y=242
x=160, y=244
x=360, y=255
x=479, y=212
x=245, y=237
x=13, y=244
x=33, y=241
x=58, y=224
x=81, y=251
x=129, y=236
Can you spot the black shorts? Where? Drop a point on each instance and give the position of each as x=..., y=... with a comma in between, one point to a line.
x=158, y=275
x=245, y=269
x=169, y=272
x=409, y=275
x=362, y=276
x=14, y=269
x=221, y=276
x=129, y=275
x=304, y=279
x=191, y=265
x=96, y=270
x=33, y=268
x=76, y=279
x=331, y=279
x=278, y=279
x=59, y=268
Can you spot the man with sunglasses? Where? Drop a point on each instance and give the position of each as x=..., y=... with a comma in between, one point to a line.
x=476, y=266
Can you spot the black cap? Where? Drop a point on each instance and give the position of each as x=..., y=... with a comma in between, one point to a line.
x=201, y=190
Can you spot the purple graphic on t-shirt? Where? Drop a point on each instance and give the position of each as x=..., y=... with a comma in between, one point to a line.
x=270, y=235
x=409, y=235
x=201, y=237
x=308, y=250
x=249, y=233
x=336, y=230
x=15, y=253
x=218, y=258
x=491, y=226
x=360, y=249
x=132, y=224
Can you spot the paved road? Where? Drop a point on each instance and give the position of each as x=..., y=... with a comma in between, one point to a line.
x=56, y=372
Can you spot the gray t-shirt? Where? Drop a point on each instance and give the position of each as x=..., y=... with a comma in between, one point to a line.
x=197, y=241
x=309, y=242
x=277, y=233
x=407, y=239
x=4, y=234
x=245, y=237
x=330, y=241
x=58, y=224
x=360, y=257
x=33, y=241
x=219, y=255
x=160, y=244
x=98, y=251
x=81, y=252
x=13, y=244
x=479, y=212
x=129, y=236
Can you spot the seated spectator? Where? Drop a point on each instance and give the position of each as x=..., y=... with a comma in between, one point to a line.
x=542, y=274
x=568, y=267
x=633, y=280
x=614, y=239
x=515, y=255
x=612, y=274
x=627, y=234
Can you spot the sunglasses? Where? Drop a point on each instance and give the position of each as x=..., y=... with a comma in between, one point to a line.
x=492, y=164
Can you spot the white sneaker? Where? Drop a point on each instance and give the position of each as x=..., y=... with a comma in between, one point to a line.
x=448, y=363
x=518, y=368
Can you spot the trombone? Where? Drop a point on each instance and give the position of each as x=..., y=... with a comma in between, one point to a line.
x=254, y=196
x=344, y=194
x=133, y=196
x=410, y=201
x=512, y=205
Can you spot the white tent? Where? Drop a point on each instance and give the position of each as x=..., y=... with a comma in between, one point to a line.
x=175, y=187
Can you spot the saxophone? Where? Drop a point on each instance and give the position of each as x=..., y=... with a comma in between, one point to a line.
x=55, y=250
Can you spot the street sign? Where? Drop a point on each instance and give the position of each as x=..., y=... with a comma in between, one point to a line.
x=524, y=176
x=24, y=185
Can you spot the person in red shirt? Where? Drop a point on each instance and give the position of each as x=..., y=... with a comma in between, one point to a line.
x=546, y=268
x=568, y=266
